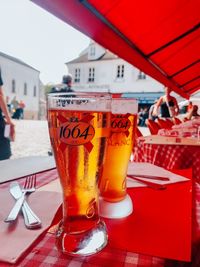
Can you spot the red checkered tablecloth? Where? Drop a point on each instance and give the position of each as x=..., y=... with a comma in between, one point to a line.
x=43, y=253
x=42, y=178
x=169, y=156
x=174, y=157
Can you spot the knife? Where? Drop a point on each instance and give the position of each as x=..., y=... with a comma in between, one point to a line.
x=153, y=177
x=20, y=199
x=16, y=209
x=149, y=184
x=30, y=218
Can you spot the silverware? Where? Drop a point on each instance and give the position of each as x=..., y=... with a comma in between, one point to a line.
x=29, y=187
x=153, y=177
x=30, y=218
x=149, y=184
x=15, y=210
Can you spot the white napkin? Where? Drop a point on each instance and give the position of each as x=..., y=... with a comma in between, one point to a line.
x=150, y=169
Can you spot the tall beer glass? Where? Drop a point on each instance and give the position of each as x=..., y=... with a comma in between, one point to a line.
x=78, y=128
x=115, y=202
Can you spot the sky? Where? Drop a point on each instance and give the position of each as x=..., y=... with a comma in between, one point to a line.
x=38, y=38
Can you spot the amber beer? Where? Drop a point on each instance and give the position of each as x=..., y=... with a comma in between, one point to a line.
x=78, y=138
x=120, y=145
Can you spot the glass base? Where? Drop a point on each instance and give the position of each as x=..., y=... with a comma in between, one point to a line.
x=84, y=243
x=115, y=210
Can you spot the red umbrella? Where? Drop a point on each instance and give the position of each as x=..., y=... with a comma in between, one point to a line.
x=161, y=38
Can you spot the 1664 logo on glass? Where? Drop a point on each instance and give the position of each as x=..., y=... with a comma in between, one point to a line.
x=120, y=124
x=76, y=133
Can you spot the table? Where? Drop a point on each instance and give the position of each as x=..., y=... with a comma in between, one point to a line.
x=43, y=253
x=15, y=168
x=170, y=155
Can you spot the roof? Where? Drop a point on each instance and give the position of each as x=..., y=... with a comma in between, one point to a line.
x=161, y=38
x=17, y=60
x=80, y=59
x=84, y=58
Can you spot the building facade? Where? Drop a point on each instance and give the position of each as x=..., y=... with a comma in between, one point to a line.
x=99, y=70
x=22, y=82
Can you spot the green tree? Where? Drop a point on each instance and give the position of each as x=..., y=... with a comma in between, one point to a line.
x=47, y=88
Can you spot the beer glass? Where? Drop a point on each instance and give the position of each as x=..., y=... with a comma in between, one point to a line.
x=115, y=203
x=79, y=125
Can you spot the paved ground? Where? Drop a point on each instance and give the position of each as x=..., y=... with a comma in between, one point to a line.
x=32, y=138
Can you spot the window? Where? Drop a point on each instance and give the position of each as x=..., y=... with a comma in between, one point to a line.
x=77, y=75
x=34, y=91
x=120, y=71
x=92, y=50
x=25, y=88
x=141, y=75
x=91, y=75
x=13, y=86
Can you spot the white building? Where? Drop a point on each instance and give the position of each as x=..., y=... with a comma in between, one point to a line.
x=97, y=69
x=21, y=81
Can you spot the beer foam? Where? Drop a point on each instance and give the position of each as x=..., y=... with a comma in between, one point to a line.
x=124, y=106
x=80, y=104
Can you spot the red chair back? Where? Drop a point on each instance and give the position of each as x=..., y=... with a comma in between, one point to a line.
x=177, y=121
x=185, y=119
x=153, y=126
x=169, y=122
x=163, y=124
x=138, y=133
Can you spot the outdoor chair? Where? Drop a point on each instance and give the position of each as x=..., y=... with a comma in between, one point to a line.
x=176, y=121
x=138, y=133
x=153, y=126
x=170, y=122
x=163, y=124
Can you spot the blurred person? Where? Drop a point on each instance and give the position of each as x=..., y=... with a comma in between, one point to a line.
x=144, y=116
x=14, y=104
x=15, y=108
x=193, y=113
x=8, y=104
x=21, y=107
x=190, y=106
x=5, y=149
x=168, y=105
x=65, y=86
x=140, y=112
x=151, y=111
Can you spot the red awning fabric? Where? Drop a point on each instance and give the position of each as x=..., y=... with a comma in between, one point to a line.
x=161, y=38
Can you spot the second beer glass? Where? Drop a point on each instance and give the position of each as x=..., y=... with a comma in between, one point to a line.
x=115, y=203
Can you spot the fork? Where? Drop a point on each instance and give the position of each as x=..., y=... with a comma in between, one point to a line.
x=30, y=184
x=30, y=218
x=29, y=187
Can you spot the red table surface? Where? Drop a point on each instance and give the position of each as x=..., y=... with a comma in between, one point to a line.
x=44, y=254
x=161, y=224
